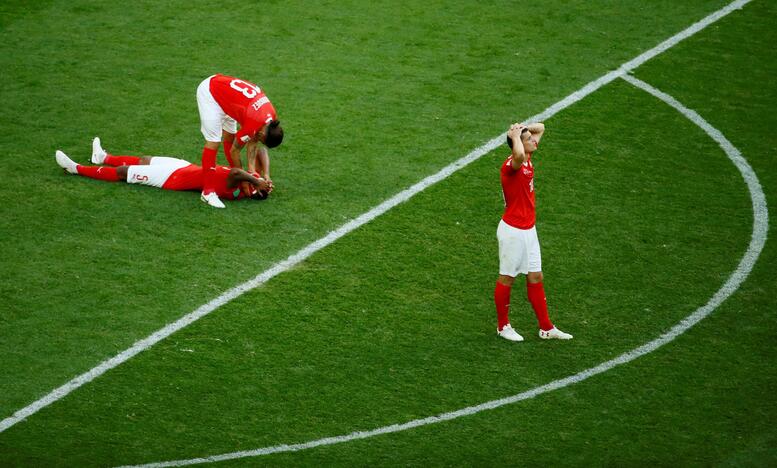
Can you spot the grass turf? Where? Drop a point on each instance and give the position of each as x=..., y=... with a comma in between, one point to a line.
x=393, y=322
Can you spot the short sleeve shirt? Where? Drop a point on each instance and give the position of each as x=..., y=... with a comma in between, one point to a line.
x=518, y=191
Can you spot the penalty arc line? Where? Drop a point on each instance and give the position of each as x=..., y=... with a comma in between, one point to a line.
x=294, y=259
x=746, y=264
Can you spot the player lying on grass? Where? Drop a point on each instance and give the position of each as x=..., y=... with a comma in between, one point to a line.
x=519, y=247
x=167, y=173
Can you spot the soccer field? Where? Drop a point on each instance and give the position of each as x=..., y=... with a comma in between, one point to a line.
x=377, y=345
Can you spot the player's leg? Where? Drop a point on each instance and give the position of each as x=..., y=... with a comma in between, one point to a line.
x=208, y=195
x=98, y=153
x=510, y=260
x=100, y=156
x=504, y=285
x=535, y=290
x=93, y=172
x=228, y=138
x=121, y=172
x=113, y=160
x=211, y=116
x=535, y=293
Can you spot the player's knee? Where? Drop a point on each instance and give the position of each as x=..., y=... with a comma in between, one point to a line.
x=506, y=280
x=534, y=277
x=145, y=161
x=121, y=172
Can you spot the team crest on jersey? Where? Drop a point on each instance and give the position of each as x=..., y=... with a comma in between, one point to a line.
x=527, y=171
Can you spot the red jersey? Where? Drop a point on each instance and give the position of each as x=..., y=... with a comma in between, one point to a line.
x=243, y=101
x=191, y=178
x=518, y=190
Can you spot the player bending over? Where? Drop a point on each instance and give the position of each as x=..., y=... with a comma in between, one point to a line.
x=224, y=102
x=166, y=173
x=519, y=248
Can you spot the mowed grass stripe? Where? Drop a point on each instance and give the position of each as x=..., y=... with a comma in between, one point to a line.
x=746, y=264
x=294, y=259
x=90, y=267
x=312, y=353
x=705, y=399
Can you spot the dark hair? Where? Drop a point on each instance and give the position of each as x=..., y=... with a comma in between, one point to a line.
x=259, y=195
x=510, y=140
x=274, y=135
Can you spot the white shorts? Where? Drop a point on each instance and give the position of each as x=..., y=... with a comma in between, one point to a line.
x=156, y=173
x=519, y=250
x=212, y=116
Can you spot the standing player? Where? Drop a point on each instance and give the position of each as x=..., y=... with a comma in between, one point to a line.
x=519, y=248
x=166, y=173
x=223, y=102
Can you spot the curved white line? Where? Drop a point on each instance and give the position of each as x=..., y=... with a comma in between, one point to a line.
x=310, y=249
x=757, y=241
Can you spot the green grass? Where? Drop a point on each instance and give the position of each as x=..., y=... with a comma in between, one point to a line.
x=641, y=219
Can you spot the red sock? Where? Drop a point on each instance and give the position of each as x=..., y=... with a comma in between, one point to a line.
x=112, y=160
x=502, y=301
x=228, y=152
x=209, y=169
x=536, y=294
x=98, y=172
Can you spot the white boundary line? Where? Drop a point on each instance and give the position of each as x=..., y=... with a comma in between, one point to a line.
x=757, y=241
x=314, y=247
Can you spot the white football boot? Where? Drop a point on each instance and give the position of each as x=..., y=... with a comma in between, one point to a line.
x=554, y=333
x=508, y=333
x=98, y=153
x=212, y=199
x=66, y=163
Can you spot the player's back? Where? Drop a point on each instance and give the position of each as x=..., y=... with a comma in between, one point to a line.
x=242, y=100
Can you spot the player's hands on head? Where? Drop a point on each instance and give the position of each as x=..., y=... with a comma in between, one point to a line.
x=515, y=131
x=260, y=195
x=247, y=188
x=263, y=189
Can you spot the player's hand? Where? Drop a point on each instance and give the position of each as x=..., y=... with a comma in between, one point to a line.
x=247, y=189
x=264, y=184
x=515, y=131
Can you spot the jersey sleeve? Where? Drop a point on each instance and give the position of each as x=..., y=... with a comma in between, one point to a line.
x=260, y=113
x=507, y=167
x=247, y=132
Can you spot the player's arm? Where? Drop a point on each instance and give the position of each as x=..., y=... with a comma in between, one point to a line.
x=263, y=162
x=234, y=156
x=243, y=139
x=519, y=155
x=537, y=129
x=258, y=159
x=251, y=149
x=258, y=163
x=237, y=176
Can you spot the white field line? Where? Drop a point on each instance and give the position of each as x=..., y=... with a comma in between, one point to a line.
x=757, y=241
x=314, y=247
